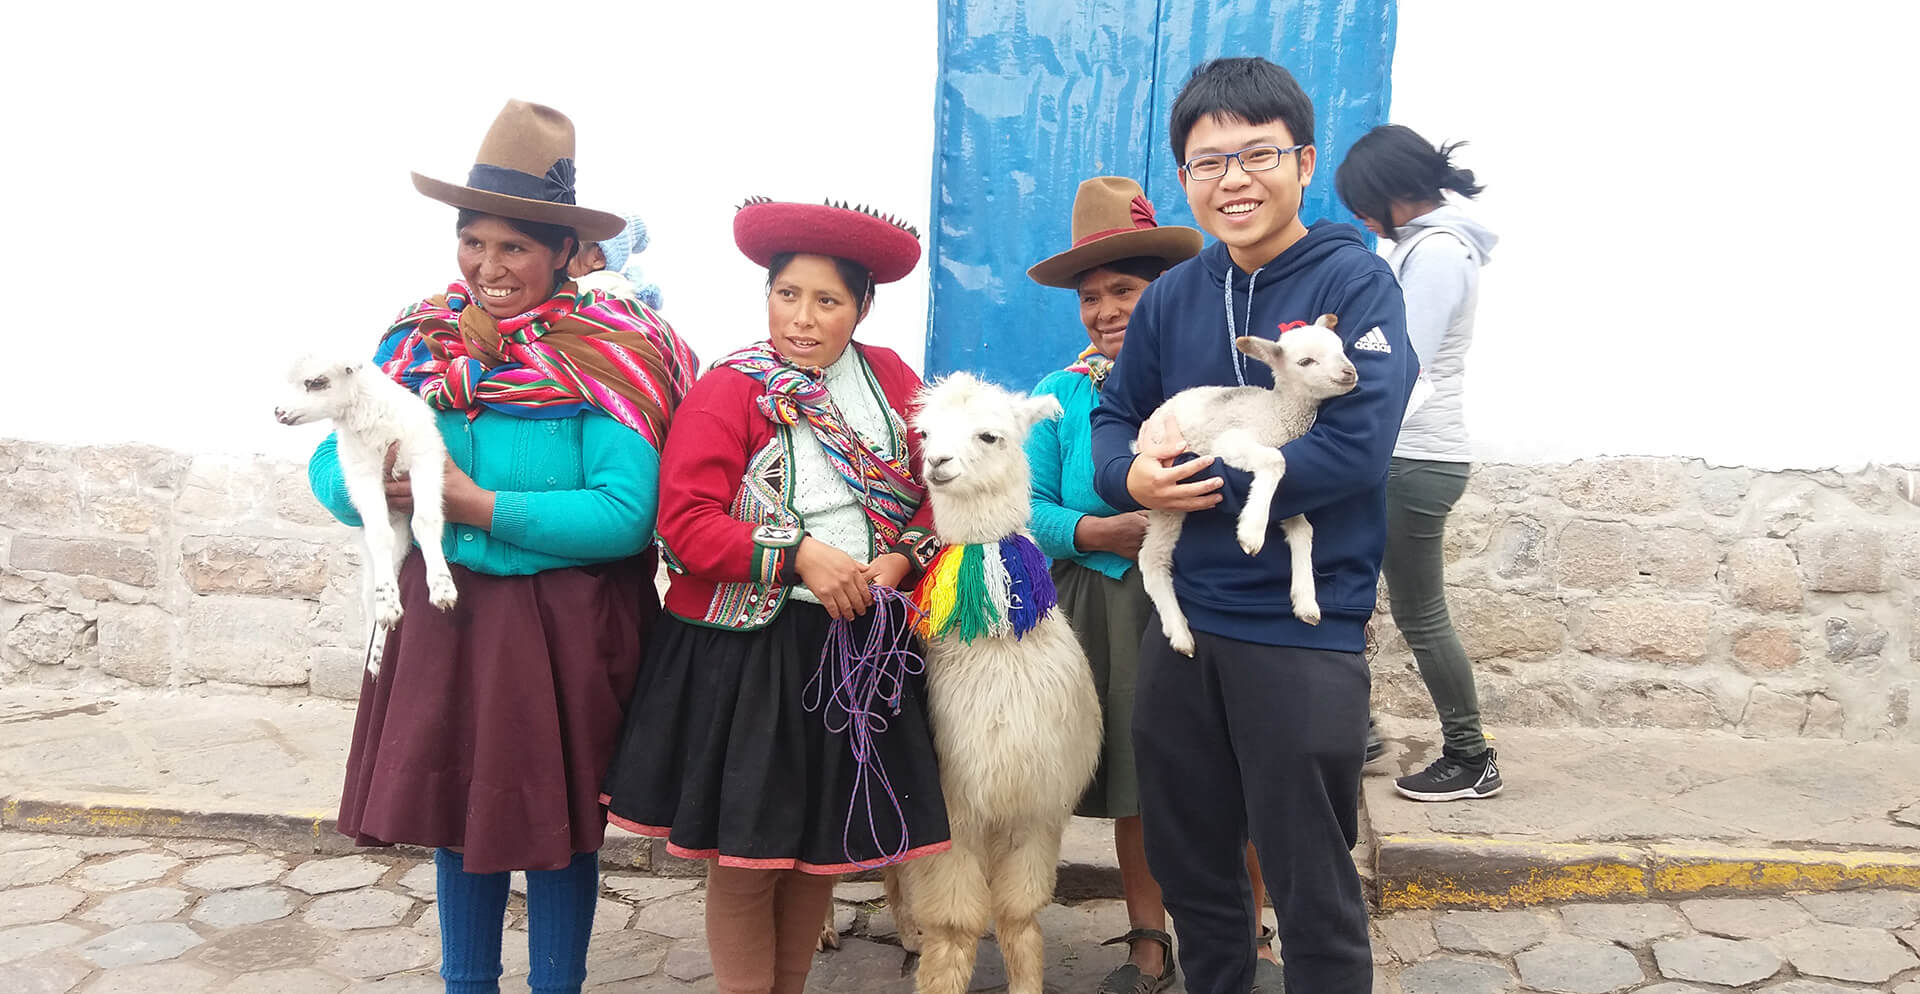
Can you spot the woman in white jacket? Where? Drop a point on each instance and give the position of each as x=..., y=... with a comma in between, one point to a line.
x=1395, y=182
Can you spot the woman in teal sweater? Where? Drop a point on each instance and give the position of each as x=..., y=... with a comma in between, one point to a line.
x=488, y=726
x=1117, y=250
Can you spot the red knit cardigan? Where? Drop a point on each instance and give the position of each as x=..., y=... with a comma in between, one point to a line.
x=726, y=521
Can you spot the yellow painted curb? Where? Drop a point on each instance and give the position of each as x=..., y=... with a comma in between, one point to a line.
x=1444, y=871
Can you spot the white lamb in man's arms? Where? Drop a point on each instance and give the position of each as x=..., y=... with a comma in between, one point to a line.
x=1244, y=427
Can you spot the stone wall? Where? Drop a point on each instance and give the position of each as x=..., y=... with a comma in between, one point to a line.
x=1606, y=592
x=1667, y=593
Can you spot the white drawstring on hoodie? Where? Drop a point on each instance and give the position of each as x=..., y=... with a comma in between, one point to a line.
x=1239, y=360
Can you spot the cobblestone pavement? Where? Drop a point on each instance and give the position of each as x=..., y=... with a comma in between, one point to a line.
x=169, y=916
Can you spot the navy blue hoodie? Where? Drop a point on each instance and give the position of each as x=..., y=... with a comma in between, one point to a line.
x=1179, y=337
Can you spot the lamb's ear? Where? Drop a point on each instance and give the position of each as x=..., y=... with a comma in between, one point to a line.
x=1259, y=348
x=1327, y=321
x=1034, y=410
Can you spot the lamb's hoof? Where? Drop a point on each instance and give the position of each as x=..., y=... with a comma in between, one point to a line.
x=910, y=940
x=1182, y=643
x=442, y=593
x=829, y=937
x=1308, y=612
x=1252, y=544
x=386, y=605
x=373, y=668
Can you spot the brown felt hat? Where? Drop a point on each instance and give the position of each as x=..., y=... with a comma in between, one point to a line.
x=1113, y=220
x=525, y=171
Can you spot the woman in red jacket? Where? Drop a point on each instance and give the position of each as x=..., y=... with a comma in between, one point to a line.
x=779, y=730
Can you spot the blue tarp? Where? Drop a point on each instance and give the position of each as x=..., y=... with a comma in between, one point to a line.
x=1037, y=95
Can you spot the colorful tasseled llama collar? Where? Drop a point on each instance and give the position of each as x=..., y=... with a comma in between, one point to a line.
x=974, y=590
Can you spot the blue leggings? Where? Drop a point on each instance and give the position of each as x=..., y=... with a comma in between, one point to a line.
x=473, y=908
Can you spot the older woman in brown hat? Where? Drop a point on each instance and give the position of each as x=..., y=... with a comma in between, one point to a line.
x=488, y=726
x=1117, y=250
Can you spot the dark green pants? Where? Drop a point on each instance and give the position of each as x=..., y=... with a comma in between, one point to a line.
x=1420, y=494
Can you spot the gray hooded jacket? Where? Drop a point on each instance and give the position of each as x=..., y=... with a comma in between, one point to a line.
x=1437, y=257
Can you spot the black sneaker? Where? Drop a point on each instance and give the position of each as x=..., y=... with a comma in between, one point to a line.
x=1375, y=747
x=1453, y=779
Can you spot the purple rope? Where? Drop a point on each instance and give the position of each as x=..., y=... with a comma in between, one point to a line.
x=863, y=679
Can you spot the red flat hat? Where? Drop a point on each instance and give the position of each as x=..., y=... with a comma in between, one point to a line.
x=885, y=246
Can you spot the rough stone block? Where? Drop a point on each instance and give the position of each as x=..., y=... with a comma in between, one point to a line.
x=1658, y=704
x=1622, y=486
x=1455, y=975
x=294, y=501
x=1826, y=719
x=1723, y=491
x=1491, y=623
x=122, y=561
x=128, y=514
x=1845, y=557
x=267, y=566
x=35, y=905
x=1843, y=952
x=1578, y=966
x=337, y=672
x=1681, y=559
x=248, y=906
x=148, y=904
x=109, y=468
x=1468, y=528
x=358, y=909
x=1849, y=639
x=1745, y=917
x=1767, y=648
x=1661, y=630
x=1711, y=960
x=1784, y=515
x=251, y=640
x=1626, y=924
x=1519, y=547
x=1764, y=575
x=46, y=637
x=38, y=501
x=138, y=642
x=1597, y=555
x=223, y=488
x=1890, y=909
x=234, y=872
x=324, y=876
x=1773, y=715
x=1501, y=933
x=133, y=945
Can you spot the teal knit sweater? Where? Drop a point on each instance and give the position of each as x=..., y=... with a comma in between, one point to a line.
x=567, y=491
x=1061, y=455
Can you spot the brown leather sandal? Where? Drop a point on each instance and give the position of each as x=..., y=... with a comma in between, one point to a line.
x=1130, y=979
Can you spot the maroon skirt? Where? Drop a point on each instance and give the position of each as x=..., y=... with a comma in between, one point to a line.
x=490, y=725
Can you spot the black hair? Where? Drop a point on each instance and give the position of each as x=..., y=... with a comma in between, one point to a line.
x=853, y=274
x=1251, y=90
x=1140, y=267
x=553, y=236
x=1393, y=163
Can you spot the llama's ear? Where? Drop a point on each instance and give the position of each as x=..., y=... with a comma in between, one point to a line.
x=1034, y=410
x=1259, y=348
x=1327, y=321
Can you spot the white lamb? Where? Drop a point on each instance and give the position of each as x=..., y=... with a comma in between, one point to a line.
x=371, y=414
x=1244, y=427
x=1016, y=720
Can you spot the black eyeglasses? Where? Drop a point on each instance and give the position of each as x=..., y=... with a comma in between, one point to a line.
x=1259, y=158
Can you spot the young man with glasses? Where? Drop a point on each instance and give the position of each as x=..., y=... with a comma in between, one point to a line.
x=1263, y=730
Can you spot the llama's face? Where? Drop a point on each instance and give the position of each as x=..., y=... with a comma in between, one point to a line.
x=319, y=390
x=1310, y=359
x=972, y=434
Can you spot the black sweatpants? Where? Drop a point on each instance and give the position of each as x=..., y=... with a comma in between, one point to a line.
x=1270, y=738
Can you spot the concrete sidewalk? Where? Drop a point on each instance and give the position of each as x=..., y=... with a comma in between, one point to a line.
x=1588, y=814
x=1593, y=814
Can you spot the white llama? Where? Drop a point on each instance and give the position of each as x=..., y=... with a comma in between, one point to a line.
x=1244, y=427
x=1016, y=720
x=370, y=414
